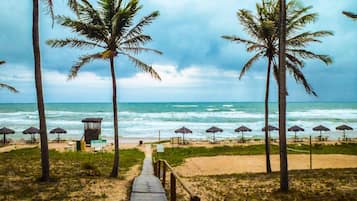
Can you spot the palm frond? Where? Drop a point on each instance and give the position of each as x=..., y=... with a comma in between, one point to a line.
x=143, y=66
x=249, y=23
x=136, y=41
x=138, y=50
x=91, y=31
x=2, y=62
x=350, y=14
x=72, y=42
x=250, y=62
x=241, y=40
x=138, y=28
x=10, y=88
x=108, y=11
x=123, y=19
x=73, y=5
x=310, y=55
x=300, y=78
x=49, y=6
x=87, y=13
x=295, y=60
x=82, y=61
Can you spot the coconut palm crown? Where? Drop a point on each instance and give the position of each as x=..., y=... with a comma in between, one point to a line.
x=111, y=29
x=263, y=28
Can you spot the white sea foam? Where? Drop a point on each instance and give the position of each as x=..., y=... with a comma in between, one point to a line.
x=184, y=106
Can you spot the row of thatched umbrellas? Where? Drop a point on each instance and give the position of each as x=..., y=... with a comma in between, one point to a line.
x=31, y=131
x=243, y=129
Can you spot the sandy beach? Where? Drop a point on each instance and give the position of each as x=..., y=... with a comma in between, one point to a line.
x=218, y=165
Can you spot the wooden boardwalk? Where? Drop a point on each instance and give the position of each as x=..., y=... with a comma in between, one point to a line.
x=147, y=187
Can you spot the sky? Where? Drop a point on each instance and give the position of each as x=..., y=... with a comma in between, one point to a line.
x=197, y=64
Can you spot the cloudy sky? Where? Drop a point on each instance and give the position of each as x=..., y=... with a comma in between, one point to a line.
x=197, y=64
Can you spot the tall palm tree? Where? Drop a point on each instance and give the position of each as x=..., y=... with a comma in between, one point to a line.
x=38, y=82
x=112, y=29
x=264, y=30
x=350, y=15
x=45, y=164
x=6, y=86
x=284, y=182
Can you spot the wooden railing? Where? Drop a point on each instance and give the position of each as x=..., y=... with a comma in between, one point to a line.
x=160, y=169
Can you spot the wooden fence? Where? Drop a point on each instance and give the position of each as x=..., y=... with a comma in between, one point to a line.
x=160, y=169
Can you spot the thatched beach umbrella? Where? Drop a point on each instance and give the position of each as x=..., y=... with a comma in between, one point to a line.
x=295, y=129
x=32, y=131
x=243, y=129
x=184, y=131
x=320, y=128
x=271, y=128
x=344, y=128
x=5, y=131
x=214, y=130
x=58, y=131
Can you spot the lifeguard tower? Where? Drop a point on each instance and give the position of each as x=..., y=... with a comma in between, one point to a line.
x=92, y=129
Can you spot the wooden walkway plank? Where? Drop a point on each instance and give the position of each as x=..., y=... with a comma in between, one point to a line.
x=147, y=187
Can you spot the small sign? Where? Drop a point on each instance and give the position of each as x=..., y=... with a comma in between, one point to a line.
x=160, y=148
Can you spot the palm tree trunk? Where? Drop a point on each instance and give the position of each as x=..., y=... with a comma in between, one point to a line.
x=284, y=180
x=115, y=113
x=40, y=104
x=267, y=138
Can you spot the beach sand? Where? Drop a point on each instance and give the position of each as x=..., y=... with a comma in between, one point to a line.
x=218, y=165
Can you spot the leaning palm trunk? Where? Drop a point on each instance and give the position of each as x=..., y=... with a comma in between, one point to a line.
x=284, y=181
x=40, y=104
x=115, y=169
x=267, y=137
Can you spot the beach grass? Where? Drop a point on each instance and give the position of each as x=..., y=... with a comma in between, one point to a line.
x=176, y=155
x=323, y=184
x=74, y=175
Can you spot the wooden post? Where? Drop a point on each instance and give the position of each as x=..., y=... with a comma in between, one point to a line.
x=164, y=175
x=158, y=168
x=172, y=187
x=310, y=155
x=154, y=166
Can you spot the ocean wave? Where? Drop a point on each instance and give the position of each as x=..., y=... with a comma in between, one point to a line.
x=184, y=106
x=227, y=105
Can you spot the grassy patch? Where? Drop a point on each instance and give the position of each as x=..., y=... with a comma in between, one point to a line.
x=176, y=155
x=71, y=172
x=327, y=184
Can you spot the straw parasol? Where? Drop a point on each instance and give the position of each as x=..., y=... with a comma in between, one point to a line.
x=320, y=128
x=344, y=128
x=271, y=128
x=184, y=131
x=214, y=130
x=58, y=131
x=32, y=131
x=5, y=131
x=243, y=129
x=295, y=129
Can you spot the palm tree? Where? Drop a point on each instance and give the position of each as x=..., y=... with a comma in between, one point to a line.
x=350, y=15
x=6, y=86
x=284, y=182
x=264, y=30
x=38, y=82
x=45, y=164
x=110, y=28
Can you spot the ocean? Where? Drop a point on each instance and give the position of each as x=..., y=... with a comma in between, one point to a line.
x=145, y=120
